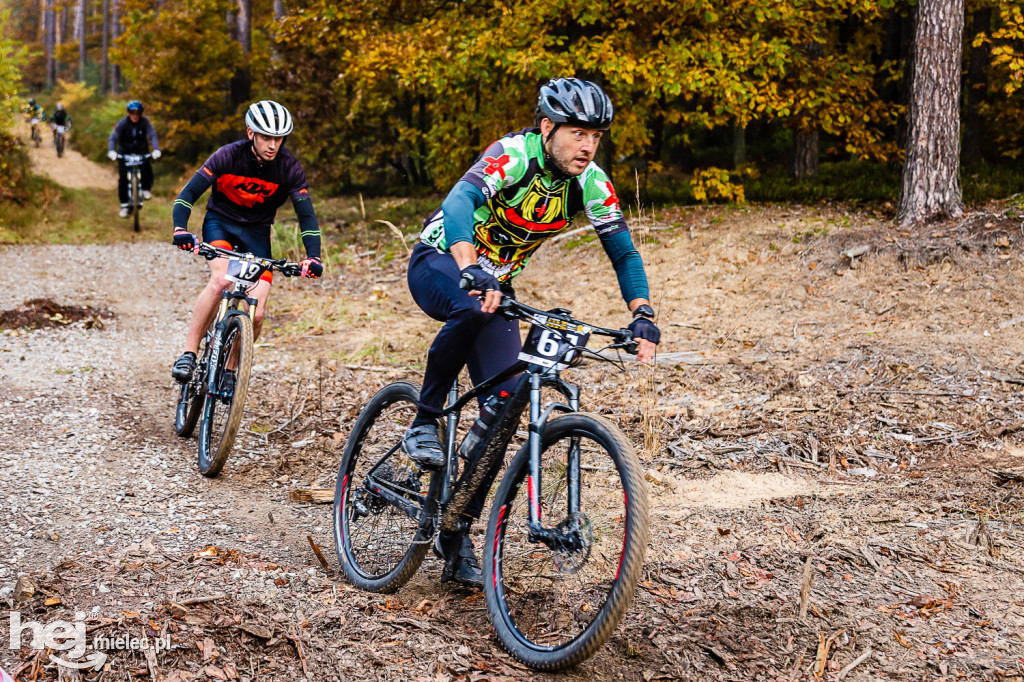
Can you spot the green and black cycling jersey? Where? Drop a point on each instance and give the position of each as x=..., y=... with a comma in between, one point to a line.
x=509, y=203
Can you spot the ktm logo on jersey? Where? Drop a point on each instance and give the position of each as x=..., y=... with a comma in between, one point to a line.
x=245, y=191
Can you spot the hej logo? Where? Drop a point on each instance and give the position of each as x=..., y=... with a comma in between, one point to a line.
x=70, y=637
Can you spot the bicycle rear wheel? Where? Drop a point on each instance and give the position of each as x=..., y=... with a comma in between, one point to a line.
x=190, y=397
x=554, y=605
x=222, y=411
x=380, y=494
x=136, y=198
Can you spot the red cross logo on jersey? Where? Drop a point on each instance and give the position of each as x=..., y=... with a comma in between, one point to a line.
x=613, y=198
x=496, y=165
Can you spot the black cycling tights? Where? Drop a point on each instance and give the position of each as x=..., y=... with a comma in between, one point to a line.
x=486, y=343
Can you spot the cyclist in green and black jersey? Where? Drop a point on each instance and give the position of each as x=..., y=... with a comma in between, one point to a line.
x=525, y=188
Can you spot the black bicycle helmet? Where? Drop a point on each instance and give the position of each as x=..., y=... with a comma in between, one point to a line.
x=572, y=101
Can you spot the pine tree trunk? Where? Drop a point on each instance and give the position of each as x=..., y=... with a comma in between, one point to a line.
x=115, y=33
x=104, y=63
x=977, y=73
x=241, y=83
x=739, y=146
x=806, y=154
x=80, y=32
x=931, y=180
x=49, y=45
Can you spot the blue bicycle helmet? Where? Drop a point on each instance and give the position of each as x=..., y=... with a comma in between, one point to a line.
x=135, y=105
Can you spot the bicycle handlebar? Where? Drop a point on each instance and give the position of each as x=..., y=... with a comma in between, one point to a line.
x=282, y=265
x=514, y=310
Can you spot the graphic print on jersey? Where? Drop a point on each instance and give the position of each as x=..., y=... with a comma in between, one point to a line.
x=245, y=191
x=513, y=232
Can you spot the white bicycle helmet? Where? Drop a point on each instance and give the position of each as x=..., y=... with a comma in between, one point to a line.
x=269, y=118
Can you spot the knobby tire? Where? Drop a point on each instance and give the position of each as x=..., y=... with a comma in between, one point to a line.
x=539, y=605
x=215, y=439
x=190, y=397
x=379, y=546
x=136, y=195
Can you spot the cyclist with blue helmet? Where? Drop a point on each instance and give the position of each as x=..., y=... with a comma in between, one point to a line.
x=133, y=134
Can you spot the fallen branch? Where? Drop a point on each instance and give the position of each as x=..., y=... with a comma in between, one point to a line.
x=203, y=600
x=805, y=588
x=311, y=495
x=857, y=661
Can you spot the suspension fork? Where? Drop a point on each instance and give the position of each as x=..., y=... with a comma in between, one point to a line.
x=533, y=480
x=218, y=341
x=537, y=422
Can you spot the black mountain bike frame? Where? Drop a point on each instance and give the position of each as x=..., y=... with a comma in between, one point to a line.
x=449, y=493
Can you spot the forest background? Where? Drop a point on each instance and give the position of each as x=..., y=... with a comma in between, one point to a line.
x=730, y=100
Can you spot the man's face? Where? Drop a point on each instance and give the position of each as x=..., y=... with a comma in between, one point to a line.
x=135, y=116
x=571, y=148
x=266, y=146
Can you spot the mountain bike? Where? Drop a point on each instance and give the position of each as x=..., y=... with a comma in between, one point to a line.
x=133, y=163
x=567, y=531
x=215, y=395
x=34, y=124
x=58, y=139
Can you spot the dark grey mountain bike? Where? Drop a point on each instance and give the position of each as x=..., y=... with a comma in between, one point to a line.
x=567, y=532
x=133, y=162
x=215, y=396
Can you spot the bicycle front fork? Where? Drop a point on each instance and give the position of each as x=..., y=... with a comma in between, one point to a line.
x=533, y=483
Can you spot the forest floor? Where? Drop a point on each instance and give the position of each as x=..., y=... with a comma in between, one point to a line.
x=836, y=426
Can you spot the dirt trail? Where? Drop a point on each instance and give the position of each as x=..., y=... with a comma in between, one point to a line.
x=821, y=496
x=72, y=170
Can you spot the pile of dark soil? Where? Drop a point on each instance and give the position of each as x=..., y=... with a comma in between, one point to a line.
x=40, y=313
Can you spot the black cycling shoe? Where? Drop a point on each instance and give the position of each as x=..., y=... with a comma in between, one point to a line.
x=183, y=368
x=423, y=446
x=460, y=562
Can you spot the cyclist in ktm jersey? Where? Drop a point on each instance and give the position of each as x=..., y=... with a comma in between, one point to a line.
x=251, y=179
x=525, y=188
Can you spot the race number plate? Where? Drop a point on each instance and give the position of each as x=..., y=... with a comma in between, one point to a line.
x=244, y=271
x=552, y=342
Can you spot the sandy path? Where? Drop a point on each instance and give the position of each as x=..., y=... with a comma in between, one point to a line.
x=73, y=170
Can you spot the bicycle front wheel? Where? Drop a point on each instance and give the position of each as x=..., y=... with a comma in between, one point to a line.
x=380, y=495
x=60, y=145
x=190, y=397
x=554, y=603
x=136, y=198
x=222, y=410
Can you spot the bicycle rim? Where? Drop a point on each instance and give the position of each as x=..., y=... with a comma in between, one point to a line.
x=554, y=607
x=222, y=415
x=377, y=542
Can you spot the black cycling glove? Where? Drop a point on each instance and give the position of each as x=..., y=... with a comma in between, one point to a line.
x=642, y=326
x=475, y=278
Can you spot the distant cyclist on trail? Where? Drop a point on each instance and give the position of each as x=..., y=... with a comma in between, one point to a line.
x=34, y=111
x=34, y=115
x=133, y=134
x=525, y=188
x=251, y=179
x=60, y=117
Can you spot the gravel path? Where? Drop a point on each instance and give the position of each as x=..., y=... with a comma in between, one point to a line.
x=87, y=448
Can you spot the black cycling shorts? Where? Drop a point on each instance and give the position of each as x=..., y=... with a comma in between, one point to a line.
x=227, y=234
